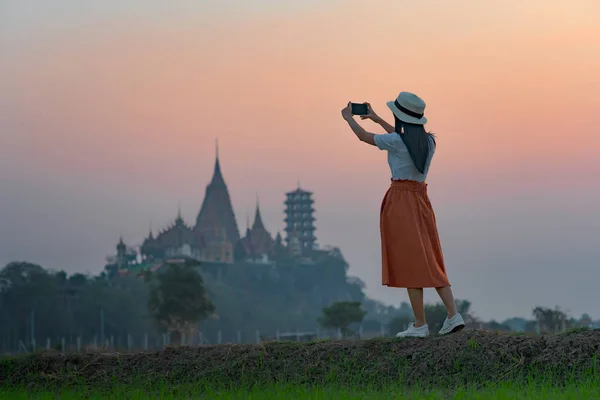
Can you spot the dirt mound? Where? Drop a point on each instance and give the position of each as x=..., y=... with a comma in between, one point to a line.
x=468, y=357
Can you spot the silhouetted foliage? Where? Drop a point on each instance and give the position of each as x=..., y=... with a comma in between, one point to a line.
x=550, y=320
x=178, y=299
x=341, y=314
x=51, y=305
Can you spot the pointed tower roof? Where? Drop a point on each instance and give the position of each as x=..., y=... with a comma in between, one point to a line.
x=217, y=178
x=258, y=240
x=216, y=214
x=179, y=219
x=258, y=223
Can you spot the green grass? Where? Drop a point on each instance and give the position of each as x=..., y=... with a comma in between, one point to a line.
x=470, y=365
x=589, y=389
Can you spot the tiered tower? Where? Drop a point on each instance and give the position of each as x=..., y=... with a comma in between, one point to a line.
x=300, y=219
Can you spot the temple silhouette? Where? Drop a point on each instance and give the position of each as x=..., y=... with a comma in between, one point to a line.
x=215, y=237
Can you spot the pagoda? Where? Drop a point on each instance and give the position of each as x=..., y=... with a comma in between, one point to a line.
x=299, y=220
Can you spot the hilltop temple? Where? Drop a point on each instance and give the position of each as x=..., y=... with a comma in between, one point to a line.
x=215, y=237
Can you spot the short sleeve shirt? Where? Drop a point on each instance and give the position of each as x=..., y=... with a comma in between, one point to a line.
x=399, y=160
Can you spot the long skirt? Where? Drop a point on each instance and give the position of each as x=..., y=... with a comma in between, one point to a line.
x=411, y=252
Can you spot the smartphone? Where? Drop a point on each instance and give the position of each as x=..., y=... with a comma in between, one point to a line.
x=359, y=109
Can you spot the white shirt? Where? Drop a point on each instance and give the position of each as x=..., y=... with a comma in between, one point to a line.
x=401, y=165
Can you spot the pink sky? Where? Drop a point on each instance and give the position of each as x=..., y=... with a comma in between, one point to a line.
x=130, y=102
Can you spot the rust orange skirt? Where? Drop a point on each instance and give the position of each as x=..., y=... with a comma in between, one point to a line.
x=411, y=253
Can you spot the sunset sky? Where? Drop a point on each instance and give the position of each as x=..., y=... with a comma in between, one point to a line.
x=109, y=111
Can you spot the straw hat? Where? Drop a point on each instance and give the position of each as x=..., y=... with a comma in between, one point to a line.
x=409, y=108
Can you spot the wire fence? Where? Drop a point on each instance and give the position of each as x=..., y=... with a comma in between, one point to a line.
x=155, y=341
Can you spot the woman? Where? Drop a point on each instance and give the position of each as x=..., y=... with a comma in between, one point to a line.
x=411, y=252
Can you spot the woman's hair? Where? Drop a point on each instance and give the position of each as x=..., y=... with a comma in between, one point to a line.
x=416, y=139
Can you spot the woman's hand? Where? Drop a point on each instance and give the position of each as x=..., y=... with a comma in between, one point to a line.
x=347, y=111
x=370, y=113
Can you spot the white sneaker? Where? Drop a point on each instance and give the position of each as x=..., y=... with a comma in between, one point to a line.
x=452, y=325
x=413, y=331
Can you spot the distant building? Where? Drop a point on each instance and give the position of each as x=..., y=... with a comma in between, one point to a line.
x=299, y=220
x=216, y=221
x=215, y=237
x=257, y=246
x=176, y=240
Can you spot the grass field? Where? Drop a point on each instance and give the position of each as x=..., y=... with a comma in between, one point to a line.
x=467, y=365
x=583, y=390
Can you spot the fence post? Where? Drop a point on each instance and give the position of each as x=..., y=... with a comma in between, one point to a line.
x=277, y=335
x=62, y=344
x=297, y=335
x=219, y=337
x=79, y=344
x=48, y=343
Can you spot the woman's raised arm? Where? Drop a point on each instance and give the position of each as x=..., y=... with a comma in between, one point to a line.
x=377, y=119
x=358, y=130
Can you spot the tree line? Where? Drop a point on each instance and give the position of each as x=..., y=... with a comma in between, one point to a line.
x=38, y=303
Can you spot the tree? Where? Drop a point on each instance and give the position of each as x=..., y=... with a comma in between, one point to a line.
x=178, y=299
x=549, y=320
x=341, y=314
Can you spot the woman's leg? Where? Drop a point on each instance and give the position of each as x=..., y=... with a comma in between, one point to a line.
x=447, y=297
x=418, y=307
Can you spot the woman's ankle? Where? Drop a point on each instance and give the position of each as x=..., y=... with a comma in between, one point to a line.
x=419, y=324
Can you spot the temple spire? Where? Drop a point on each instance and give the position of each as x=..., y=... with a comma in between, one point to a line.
x=216, y=213
x=179, y=219
x=217, y=178
x=121, y=247
x=258, y=223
